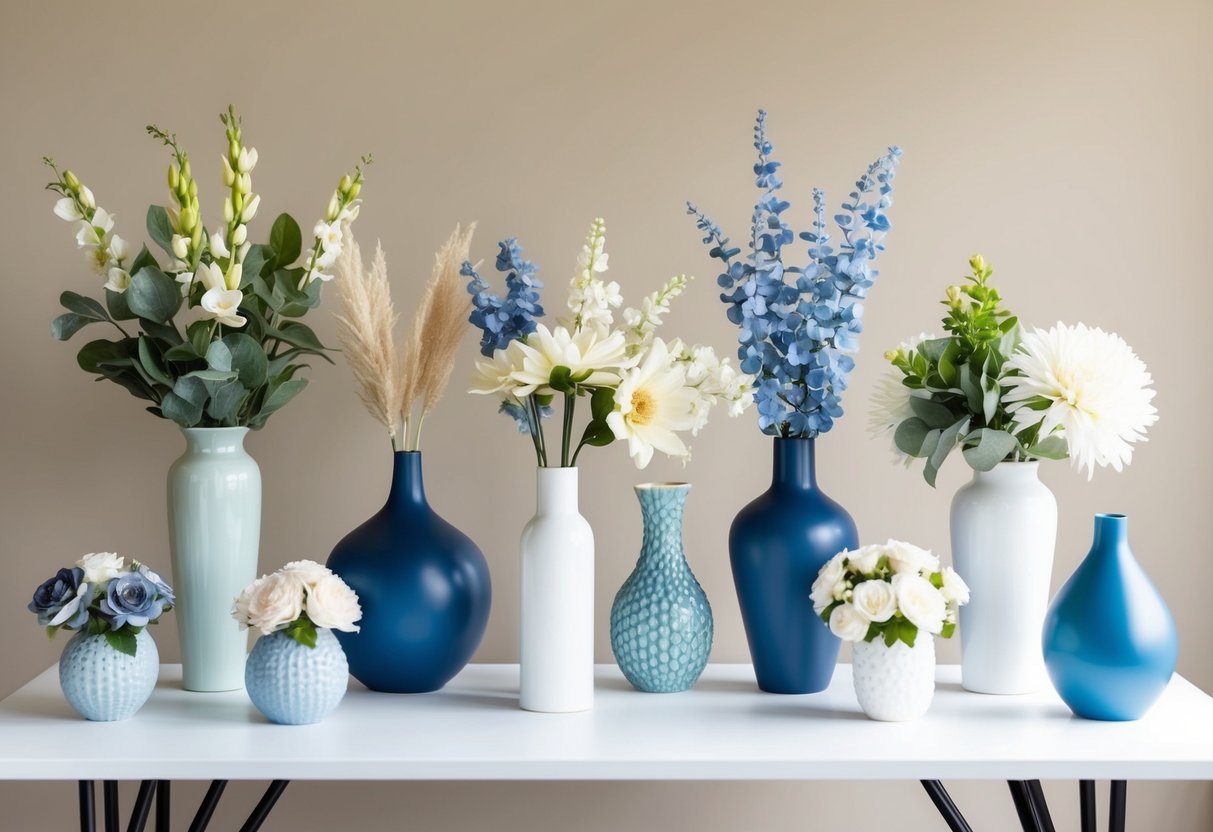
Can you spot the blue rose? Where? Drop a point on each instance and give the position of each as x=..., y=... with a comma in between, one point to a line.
x=131, y=599
x=166, y=591
x=61, y=601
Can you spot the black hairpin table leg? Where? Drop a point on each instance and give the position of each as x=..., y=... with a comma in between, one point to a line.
x=1040, y=807
x=263, y=807
x=142, y=807
x=163, y=809
x=947, y=808
x=1086, y=803
x=209, y=802
x=1022, y=798
x=88, y=807
x=1116, y=811
x=109, y=789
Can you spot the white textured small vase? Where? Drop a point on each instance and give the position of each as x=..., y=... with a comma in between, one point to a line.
x=894, y=684
x=1004, y=530
x=293, y=684
x=556, y=651
x=101, y=683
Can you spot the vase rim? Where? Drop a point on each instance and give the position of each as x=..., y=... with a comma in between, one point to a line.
x=241, y=429
x=1111, y=516
x=653, y=486
x=1011, y=468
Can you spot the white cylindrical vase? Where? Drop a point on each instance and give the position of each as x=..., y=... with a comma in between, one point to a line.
x=556, y=645
x=894, y=684
x=1004, y=530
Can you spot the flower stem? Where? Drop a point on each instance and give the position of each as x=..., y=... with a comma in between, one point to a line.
x=541, y=452
x=570, y=402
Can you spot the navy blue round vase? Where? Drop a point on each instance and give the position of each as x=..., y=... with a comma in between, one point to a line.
x=424, y=588
x=777, y=544
x=1109, y=640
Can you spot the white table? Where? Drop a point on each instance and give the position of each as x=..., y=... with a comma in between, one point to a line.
x=724, y=729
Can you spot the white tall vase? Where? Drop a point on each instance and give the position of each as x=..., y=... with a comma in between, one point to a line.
x=557, y=616
x=1004, y=530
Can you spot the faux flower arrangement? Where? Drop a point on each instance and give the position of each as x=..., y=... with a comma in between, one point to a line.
x=641, y=388
x=799, y=324
x=103, y=595
x=237, y=359
x=296, y=600
x=1000, y=394
x=890, y=591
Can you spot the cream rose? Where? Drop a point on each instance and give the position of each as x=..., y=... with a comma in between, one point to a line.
x=865, y=558
x=920, y=602
x=308, y=571
x=908, y=558
x=100, y=567
x=332, y=604
x=822, y=593
x=875, y=600
x=847, y=623
x=272, y=602
x=955, y=590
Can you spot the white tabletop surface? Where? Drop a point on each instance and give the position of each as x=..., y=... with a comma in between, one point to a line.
x=724, y=729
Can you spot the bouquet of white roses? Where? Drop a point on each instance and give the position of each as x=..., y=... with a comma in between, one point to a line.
x=641, y=388
x=298, y=598
x=889, y=591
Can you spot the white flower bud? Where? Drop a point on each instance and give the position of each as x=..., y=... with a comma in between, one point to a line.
x=240, y=235
x=252, y=158
x=246, y=183
x=181, y=246
x=234, y=273
x=250, y=208
x=329, y=215
x=229, y=175
x=216, y=245
x=242, y=161
x=65, y=209
x=86, y=197
x=229, y=213
x=120, y=249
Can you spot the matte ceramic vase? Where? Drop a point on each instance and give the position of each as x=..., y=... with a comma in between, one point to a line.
x=424, y=587
x=1004, y=529
x=556, y=645
x=894, y=684
x=1109, y=640
x=104, y=685
x=293, y=684
x=661, y=622
x=214, y=518
x=777, y=544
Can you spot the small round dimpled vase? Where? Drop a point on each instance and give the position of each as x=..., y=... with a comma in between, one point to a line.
x=103, y=684
x=293, y=684
x=661, y=622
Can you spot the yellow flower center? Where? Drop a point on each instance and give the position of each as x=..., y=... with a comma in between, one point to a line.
x=643, y=407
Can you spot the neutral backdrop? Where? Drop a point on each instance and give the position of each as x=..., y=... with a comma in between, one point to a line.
x=1069, y=143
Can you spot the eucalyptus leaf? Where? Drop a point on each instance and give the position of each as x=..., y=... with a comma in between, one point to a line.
x=281, y=394
x=993, y=446
x=159, y=228
x=192, y=388
x=226, y=401
x=219, y=357
x=68, y=324
x=298, y=335
x=153, y=295
x=118, y=308
x=254, y=260
x=180, y=410
x=211, y=375
x=165, y=332
x=84, y=307
x=910, y=435
x=93, y=354
x=286, y=240
x=248, y=359
x=153, y=363
x=1051, y=447
x=931, y=412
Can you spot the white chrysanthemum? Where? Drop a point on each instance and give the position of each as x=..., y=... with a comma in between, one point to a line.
x=1086, y=384
x=496, y=373
x=652, y=403
x=601, y=353
x=889, y=404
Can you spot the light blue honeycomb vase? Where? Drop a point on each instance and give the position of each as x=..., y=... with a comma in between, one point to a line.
x=103, y=684
x=293, y=684
x=661, y=621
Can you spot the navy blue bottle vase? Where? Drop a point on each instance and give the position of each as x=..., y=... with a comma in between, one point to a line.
x=777, y=544
x=1109, y=641
x=424, y=587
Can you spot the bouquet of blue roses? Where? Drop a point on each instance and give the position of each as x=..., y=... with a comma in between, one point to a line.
x=103, y=595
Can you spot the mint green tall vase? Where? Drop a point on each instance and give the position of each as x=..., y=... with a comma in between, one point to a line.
x=214, y=519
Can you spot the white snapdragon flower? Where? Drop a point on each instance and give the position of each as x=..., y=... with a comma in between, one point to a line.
x=180, y=246
x=119, y=249
x=653, y=403
x=250, y=209
x=117, y=280
x=94, y=232
x=848, y=623
x=920, y=602
x=331, y=603
x=65, y=209
x=100, y=567
x=219, y=302
x=875, y=600
x=329, y=234
x=216, y=245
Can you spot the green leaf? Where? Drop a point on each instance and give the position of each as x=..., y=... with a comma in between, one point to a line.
x=934, y=414
x=165, y=332
x=191, y=388
x=285, y=298
x=153, y=363
x=598, y=434
x=970, y=385
x=602, y=403
x=561, y=380
x=153, y=295
x=183, y=352
x=219, y=357
x=199, y=333
x=68, y=324
x=254, y=261
x=908, y=633
x=947, y=363
x=299, y=335
x=84, y=307
x=211, y=375
x=247, y=359
x=118, y=308
x=949, y=629
x=286, y=240
x=280, y=395
x=95, y=353
x=122, y=640
x=159, y=228
x=1051, y=447
x=303, y=631
x=226, y=401
x=992, y=447
x=183, y=412
x=947, y=441
x=910, y=436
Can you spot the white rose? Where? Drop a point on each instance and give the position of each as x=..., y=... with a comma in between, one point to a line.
x=920, y=602
x=875, y=600
x=847, y=623
x=865, y=558
x=272, y=602
x=332, y=604
x=308, y=571
x=906, y=557
x=955, y=590
x=100, y=567
x=822, y=592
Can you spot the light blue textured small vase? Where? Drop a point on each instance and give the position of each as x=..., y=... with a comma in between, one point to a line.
x=103, y=684
x=293, y=684
x=661, y=622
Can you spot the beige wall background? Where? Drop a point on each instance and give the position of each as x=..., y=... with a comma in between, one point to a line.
x=1067, y=142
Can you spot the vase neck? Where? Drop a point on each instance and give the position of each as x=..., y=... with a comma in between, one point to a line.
x=214, y=440
x=556, y=491
x=1111, y=533
x=408, y=488
x=662, y=506
x=1009, y=472
x=795, y=465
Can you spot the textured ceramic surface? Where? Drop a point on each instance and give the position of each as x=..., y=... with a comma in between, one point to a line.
x=556, y=650
x=104, y=685
x=1004, y=529
x=661, y=622
x=293, y=684
x=214, y=517
x=894, y=684
x=1110, y=642
x=424, y=588
x=777, y=544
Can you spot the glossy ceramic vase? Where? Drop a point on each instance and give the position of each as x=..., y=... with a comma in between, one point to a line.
x=894, y=684
x=424, y=588
x=777, y=544
x=214, y=518
x=104, y=685
x=1004, y=530
x=1109, y=640
x=556, y=639
x=661, y=622
x=293, y=684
